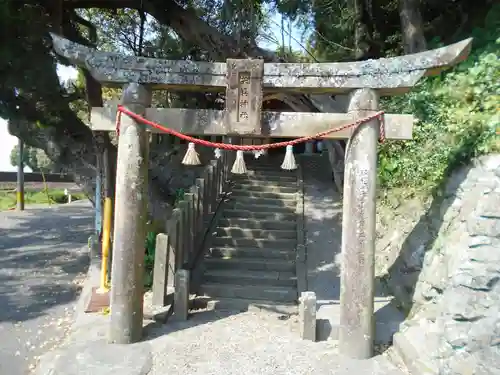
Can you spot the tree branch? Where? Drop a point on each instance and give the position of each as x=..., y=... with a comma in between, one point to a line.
x=103, y=4
x=190, y=27
x=89, y=25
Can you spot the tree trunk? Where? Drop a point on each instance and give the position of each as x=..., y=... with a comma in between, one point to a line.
x=193, y=29
x=412, y=26
x=365, y=45
x=75, y=153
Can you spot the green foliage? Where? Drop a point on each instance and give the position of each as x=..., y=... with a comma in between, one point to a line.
x=179, y=195
x=149, y=258
x=34, y=158
x=150, y=245
x=58, y=196
x=8, y=198
x=458, y=116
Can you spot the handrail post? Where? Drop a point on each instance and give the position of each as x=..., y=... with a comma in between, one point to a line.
x=173, y=229
x=161, y=272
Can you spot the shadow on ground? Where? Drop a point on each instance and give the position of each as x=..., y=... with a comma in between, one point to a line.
x=154, y=330
x=40, y=256
x=323, y=221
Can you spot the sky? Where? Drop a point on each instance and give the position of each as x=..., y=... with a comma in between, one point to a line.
x=65, y=73
x=9, y=141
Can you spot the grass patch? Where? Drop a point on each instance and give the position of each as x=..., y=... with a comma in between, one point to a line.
x=56, y=196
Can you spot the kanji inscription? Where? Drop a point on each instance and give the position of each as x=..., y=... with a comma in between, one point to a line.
x=244, y=96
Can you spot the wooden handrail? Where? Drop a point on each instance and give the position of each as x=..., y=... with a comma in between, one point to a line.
x=182, y=243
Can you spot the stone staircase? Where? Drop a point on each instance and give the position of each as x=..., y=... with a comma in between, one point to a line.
x=251, y=259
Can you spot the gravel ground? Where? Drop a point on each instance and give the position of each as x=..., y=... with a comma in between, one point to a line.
x=43, y=260
x=264, y=342
x=252, y=342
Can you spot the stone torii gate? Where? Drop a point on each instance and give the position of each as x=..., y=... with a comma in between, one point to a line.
x=245, y=82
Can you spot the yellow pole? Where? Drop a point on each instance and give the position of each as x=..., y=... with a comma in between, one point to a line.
x=106, y=238
x=20, y=177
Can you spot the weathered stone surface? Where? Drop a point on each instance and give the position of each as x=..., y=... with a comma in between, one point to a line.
x=181, y=295
x=389, y=74
x=244, y=96
x=454, y=323
x=307, y=316
x=489, y=207
x=357, y=286
x=484, y=227
x=130, y=219
x=273, y=124
x=160, y=273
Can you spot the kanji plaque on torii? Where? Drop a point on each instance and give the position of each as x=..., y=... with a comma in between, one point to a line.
x=244, y=97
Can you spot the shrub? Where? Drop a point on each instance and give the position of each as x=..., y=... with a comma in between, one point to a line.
x=458, y=116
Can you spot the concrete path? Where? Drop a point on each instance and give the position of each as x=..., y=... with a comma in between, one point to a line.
x=43, y=259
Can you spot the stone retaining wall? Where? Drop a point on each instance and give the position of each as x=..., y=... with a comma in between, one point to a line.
x=443, y=264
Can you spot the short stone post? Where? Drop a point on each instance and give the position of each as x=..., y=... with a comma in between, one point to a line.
x=94, y=247
x=181, y=294
x=307, y=316
x=160, y=272
x=130, y=221
x=357, y=326
x=68, y=194
x=309, y=148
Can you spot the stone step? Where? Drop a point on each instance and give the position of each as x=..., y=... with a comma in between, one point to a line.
x=271, y=171
x=241, y=277
x=242, y=232
x=257, y=224
x=265, y=181
x=238, y=304
x=275, y=294
x=238, y=213
x=267, y=187
x=288, y=244
x=263, y=176
x=227, y=252
x=267, y=159
x=262, y=194
x=269, y=202
x=250, y=264
x=254, y=206
x=264, y=161
x=258, y=164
